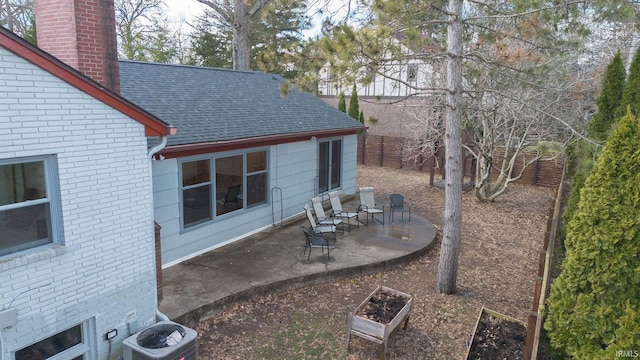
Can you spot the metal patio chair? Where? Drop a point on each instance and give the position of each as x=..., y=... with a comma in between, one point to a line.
x=397, y=204
x=321, y=216
x=316, y=240
x=368, y=204
x=317, y=228
x=338, y=211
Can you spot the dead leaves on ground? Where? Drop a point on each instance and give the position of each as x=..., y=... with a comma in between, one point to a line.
x=498, y=265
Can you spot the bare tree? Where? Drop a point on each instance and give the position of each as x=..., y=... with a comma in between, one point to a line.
x=143, y=31
x=17, y=16
x=517, y=86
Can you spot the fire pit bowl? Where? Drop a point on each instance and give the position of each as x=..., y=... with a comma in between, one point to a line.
x=379, y=316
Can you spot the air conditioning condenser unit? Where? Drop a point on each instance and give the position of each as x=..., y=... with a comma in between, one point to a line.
x=165, y=340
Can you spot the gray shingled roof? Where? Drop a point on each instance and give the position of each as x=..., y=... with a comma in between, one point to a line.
x=208, y=105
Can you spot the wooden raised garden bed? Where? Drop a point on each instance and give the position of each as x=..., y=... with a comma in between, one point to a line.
x=497, y=336
x=379, y=316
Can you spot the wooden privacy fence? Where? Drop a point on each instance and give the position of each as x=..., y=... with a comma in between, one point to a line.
x=543, y=280
x=387, y=151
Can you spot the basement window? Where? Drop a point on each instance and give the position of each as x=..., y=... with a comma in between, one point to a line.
x=67, y=344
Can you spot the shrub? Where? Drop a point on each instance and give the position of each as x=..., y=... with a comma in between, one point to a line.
x=592, y=308
x=342, y=105
x=354, y=106
x=609, y=99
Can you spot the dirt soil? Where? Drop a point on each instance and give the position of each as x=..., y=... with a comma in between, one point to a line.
x=497, y=270
x=498, y=339
x=382, y=307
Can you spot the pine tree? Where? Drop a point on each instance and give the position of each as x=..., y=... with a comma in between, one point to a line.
x=609, y=99
x=593, y=305
x=342, y=105
x=631, y=94
x=262, y=34
x=354, y=107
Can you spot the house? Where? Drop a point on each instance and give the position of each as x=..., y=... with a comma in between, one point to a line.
x=250, y=152
x=392, y=95
x=77, y=253
x=76, y=214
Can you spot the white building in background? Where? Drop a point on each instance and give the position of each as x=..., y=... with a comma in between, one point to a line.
x=393, y=79
x=392, y=96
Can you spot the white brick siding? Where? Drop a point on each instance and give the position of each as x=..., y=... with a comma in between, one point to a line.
x=104, y=268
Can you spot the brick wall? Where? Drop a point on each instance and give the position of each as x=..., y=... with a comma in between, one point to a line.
x=81, y=33
x=385, y=151
x=103, y=270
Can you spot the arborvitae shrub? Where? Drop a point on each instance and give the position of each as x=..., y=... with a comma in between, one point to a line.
x=354, y=106
x=342, y=104
x=593, y=305
x=609, y=99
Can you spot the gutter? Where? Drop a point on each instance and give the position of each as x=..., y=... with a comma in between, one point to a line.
x=151, y=153
x=155, y=149
x=175, y=151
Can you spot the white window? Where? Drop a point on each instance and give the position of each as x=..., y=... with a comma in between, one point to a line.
x=72, y=344
x=27, y=204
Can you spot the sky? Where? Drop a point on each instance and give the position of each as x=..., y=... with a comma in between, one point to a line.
x=187, y=10
x=181, y=10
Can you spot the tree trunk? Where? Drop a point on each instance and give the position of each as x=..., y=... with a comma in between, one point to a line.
x=450, y=250
x=241, y=44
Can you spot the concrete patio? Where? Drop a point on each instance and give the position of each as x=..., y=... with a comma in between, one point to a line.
x=273, y=259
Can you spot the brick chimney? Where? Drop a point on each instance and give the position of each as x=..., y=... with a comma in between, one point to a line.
x=82, y=33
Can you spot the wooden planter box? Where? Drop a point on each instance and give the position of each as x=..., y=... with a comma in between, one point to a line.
x=375, y=331
x=485, y=313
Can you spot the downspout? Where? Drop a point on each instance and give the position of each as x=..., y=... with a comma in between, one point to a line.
x=154, y=150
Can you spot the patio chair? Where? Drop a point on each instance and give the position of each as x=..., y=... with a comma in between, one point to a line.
x=231, y=196
x=317, y=228
x=321, y=216
x=315, y=240
x=397, y=205
x=368, y=204
x=338, y=211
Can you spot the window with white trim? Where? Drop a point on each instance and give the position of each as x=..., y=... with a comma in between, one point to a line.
x=27, y=203
x=216, y=185
x=68, y=344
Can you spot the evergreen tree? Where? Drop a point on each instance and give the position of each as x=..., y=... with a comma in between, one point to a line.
x=354, y=107
x=631, y=94
x=276, y=37
x=593, y=305
x=361, y=118
x=342, y=105
x=210, y=46
x=273, y=32
x=609, y=99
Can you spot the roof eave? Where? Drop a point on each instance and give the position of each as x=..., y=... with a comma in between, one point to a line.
x=176, y=151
